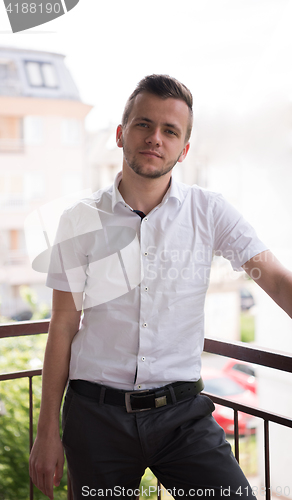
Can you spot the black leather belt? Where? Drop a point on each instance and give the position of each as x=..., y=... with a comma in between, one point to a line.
x=135, y=401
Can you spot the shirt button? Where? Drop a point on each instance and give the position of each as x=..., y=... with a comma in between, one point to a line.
x=146, y=288
x=145, y=218
x=145, y=253
x=143, y=358
x=139, y=386
x=144, y=324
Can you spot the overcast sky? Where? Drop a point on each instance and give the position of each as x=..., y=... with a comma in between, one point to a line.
x=230, y=53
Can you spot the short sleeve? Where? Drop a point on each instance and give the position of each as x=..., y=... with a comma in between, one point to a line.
x=234, y=237
x=68, y=262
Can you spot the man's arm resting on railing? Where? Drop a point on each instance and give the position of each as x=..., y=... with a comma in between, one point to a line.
x=47, y=455
x=273, y=277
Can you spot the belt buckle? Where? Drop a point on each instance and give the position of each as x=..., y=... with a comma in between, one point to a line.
x=128, y=401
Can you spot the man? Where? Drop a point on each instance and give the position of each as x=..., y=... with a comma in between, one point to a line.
x=134, y=363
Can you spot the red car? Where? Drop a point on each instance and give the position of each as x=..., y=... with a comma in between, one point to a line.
x=243, y=373
x=218, y=383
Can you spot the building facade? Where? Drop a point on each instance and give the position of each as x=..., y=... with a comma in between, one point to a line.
x=42, y=158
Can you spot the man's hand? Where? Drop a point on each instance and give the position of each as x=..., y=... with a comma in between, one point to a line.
x=46, y=464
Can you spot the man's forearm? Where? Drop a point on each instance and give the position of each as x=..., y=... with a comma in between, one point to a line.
x=273, y=277
x=54, y=378
x=47, y=455
x=284, y=296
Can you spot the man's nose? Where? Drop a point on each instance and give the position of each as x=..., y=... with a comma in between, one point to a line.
x=154, y=137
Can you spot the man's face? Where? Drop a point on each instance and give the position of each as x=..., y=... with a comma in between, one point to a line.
x=153, y=139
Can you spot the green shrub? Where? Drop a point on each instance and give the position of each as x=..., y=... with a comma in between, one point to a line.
x=20, y=354
x=247, y=327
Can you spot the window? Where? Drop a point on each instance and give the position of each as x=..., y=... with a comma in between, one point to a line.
x=11, y=191
x=33, y=129
x=3, y=71
x=11, y=133
x=244, y=369
x=34, y=185
x=17, y=246
x=41, y=74
x=71, y=131
x=34, y=74
x=14, y=239
x=18, y=189
x=7, y=70
x=9, y=81
x=16, y=185
x=49, y=75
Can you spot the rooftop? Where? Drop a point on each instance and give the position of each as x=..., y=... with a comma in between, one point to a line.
x=33, y=73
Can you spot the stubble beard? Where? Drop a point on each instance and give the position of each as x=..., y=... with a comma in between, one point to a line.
x=139, y=169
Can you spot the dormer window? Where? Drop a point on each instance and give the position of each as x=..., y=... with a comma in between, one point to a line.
x=8, y=74
x=41, y=74
x=4, y=70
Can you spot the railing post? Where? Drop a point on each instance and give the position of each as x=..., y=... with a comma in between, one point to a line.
x=236, y=435
x=267, y=461
x=30, y=432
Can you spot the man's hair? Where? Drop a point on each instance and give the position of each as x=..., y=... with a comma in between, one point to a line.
x=163, y=86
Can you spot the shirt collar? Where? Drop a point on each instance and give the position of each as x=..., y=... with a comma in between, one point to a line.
x=117, y=197
x=173, y=191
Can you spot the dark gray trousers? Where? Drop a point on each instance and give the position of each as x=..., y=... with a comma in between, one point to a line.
x=108, y=450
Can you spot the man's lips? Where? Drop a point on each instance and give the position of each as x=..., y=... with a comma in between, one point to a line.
x=152, y=154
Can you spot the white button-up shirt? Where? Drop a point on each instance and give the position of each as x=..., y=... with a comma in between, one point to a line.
x=144, y=281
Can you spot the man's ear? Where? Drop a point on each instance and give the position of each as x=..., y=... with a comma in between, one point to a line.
x=184, y=152
x=119, y=136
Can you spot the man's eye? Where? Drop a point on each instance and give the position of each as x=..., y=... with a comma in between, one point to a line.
x=171, y=132
x=142, y=125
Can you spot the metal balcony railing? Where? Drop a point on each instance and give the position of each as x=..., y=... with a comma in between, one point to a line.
x=238, y=350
